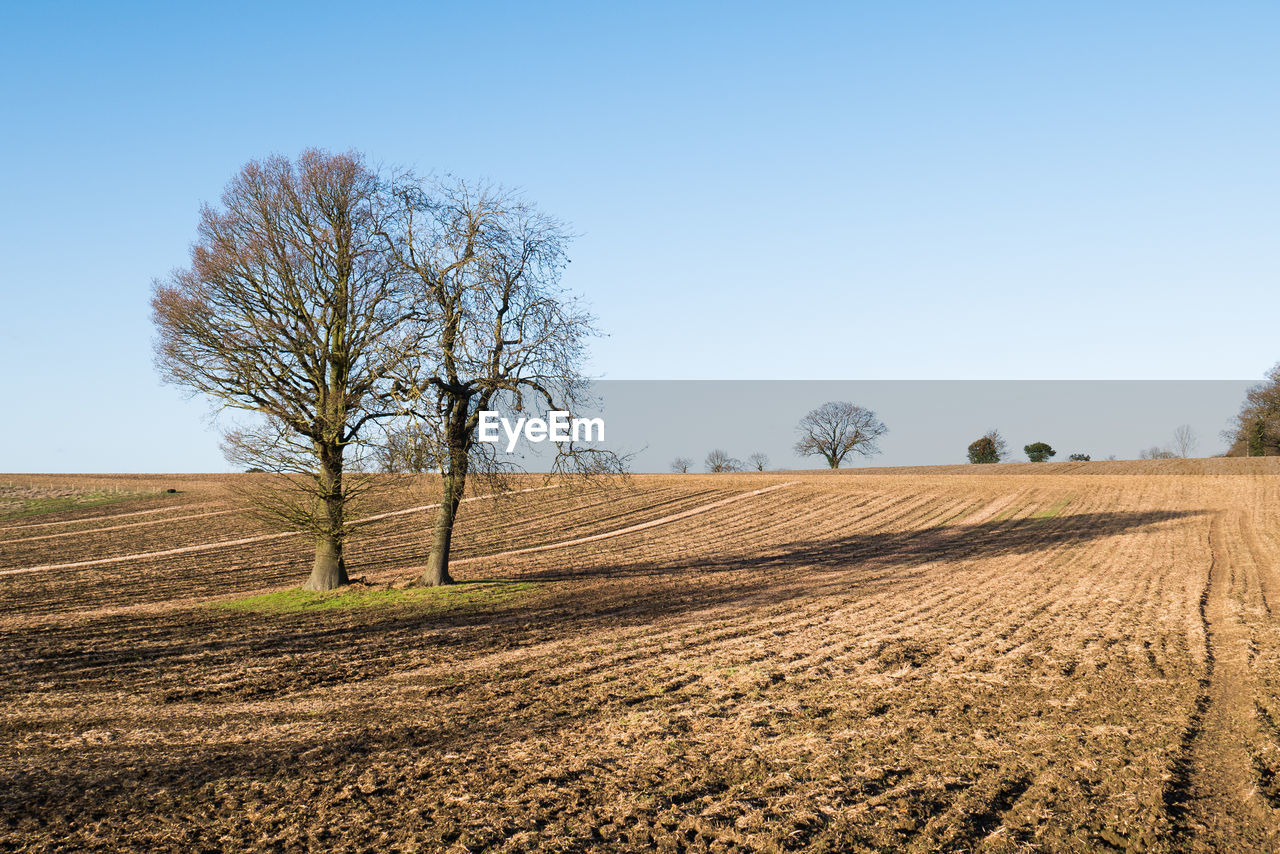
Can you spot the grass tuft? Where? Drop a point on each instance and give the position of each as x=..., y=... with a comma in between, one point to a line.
x=453, y=597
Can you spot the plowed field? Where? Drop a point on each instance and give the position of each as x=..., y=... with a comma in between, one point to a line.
x=1016, y=658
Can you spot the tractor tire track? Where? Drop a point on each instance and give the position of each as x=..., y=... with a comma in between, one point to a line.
x=1213, y=799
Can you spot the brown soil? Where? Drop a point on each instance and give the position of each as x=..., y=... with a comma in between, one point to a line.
x=1027, y=660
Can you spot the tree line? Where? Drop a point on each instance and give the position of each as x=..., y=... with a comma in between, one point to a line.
x=839, y=428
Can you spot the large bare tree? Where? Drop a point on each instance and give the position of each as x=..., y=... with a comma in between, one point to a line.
x=291, y=308
x=837, y=428
x=503, y=334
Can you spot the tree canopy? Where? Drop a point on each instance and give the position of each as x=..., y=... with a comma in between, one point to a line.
x=989, y=448
x=838, y=428
x=1039, y=452
x=1255, y=431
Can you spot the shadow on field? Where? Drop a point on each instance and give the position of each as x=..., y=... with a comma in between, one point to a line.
x=905, y=548
x=207, y=661
x=296, y=652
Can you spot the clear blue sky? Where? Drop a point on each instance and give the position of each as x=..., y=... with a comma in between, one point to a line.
x=851, y=191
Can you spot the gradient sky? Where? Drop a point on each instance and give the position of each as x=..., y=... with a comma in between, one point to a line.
x=844, y=191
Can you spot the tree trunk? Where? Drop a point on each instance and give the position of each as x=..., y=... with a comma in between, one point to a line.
x=437, y=571
x=330, y=568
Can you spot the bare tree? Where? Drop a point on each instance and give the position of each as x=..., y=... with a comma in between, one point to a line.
x=1185, y=440
x=1155, y=452
x=485, y=267
x=681, y=465
x=758, y=461
x=719, y=461
x=409, y=447
x=290, y=310
x=835, y=429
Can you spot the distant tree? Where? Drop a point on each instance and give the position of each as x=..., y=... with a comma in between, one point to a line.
x=719, y=461
x=1039, y=452
x=758, y=461
x=1256, y=437
x=837, y=428
x=1185, y=440
x=1079, y=458
x=408, y=448
x=990, y=448
x=1155, y=452
x=1255, y=431
x=681, y=465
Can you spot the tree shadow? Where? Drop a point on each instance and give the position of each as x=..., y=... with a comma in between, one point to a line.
x=898, y=548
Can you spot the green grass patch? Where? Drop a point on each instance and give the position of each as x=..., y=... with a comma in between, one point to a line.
x=1053, y=510
x=1006, y=513
x=454, y=597
x=21, y=503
